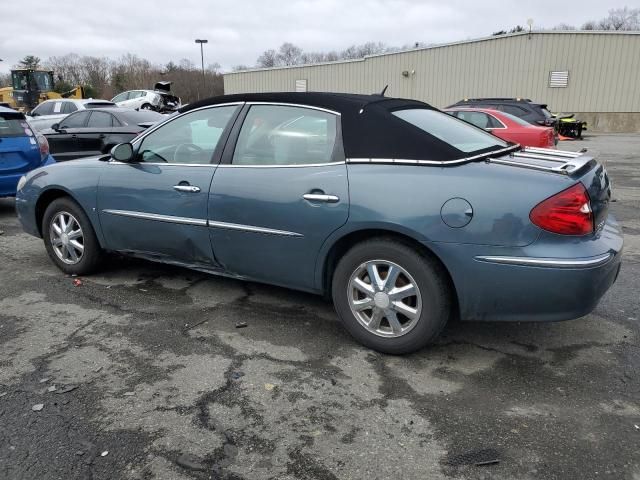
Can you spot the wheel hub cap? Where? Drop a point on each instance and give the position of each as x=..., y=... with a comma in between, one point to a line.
x=381, y=300
x=384, y=298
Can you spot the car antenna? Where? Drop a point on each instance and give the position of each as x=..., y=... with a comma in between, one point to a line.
x=384, y=90
x=381, y=94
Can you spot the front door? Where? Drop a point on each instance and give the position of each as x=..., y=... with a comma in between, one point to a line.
x=281, y=191
x=91, y=138
x=156, y=206
x=63, y=143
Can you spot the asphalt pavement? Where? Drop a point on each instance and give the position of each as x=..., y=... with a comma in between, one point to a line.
x=141, y=372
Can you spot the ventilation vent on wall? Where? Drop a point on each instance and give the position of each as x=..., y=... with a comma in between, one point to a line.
x=301, y=85
x=559, y=79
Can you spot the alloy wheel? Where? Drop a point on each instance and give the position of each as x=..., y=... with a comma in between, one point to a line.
x=66, y=238
x=384, y=298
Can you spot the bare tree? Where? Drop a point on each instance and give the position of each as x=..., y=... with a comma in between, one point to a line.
x=618, y=19
x=564, y=27
x=268, y=59
x=289, y=54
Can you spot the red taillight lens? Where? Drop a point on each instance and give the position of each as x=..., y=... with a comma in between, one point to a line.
x=567, y=213
x=43, y=144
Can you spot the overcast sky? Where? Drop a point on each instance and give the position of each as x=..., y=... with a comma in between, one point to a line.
x=238, y=31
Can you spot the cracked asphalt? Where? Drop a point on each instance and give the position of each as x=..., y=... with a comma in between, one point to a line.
x=143, y=374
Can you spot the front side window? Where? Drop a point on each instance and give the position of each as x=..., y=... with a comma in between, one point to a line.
x=282, y=135
x=120, y=97
x=191, y=138
x=450, y=130
x=75, y=120
x=45, y=108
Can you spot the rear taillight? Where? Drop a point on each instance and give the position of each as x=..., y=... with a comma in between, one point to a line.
x=44, y=146
x=567, y=213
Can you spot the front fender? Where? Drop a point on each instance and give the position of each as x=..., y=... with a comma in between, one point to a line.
x=77, y=179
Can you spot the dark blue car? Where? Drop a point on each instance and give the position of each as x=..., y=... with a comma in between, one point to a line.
x=21, y=150
x=403, y=215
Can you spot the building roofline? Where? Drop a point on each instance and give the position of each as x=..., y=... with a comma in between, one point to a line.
x=441, y=45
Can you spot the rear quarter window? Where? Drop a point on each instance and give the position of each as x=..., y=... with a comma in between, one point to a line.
x=460, y=135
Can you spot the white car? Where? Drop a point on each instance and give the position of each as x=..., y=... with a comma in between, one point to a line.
x=159, y=99
x=52, y=111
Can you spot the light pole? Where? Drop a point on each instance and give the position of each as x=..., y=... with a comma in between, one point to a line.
x=201, y=41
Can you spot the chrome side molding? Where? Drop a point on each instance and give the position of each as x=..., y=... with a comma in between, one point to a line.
x=548, y=262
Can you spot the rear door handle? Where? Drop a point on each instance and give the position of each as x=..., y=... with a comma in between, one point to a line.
x=321, y=197
x=186, y=188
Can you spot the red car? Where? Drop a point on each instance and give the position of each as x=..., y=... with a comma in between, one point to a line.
x=506, y=126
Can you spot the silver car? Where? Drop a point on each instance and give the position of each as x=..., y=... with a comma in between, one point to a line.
x=52, y=111
x=161, y=100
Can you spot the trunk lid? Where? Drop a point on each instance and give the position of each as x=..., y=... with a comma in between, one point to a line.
x=580, y=166
x=19, y=149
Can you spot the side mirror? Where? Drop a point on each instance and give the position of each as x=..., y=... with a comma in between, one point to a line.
x=55, y=126
x=123, y=152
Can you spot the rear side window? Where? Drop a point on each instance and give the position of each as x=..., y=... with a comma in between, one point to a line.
x=100, y=120
x=69, y=107
x=513, y=110
x=11, y=125
x=280, y=135
x=450, y=130
x=479, y=119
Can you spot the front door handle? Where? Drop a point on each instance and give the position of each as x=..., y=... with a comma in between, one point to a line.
x=186, y=188
x=321, y=197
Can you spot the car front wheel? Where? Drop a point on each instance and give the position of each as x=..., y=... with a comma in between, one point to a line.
x=69, y=238
x=391, y=297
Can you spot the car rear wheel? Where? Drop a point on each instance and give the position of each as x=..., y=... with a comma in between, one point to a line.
x=69, y=238
x=390, y=297
x=146, y=106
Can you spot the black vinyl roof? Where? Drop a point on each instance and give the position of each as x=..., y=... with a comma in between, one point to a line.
x=369, y=130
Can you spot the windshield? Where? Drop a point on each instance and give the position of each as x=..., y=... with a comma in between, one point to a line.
x=450, y=130
x=29, y=80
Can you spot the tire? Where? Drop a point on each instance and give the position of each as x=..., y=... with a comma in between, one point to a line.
x=430, y=307
x=146, y=106
x=89, y=258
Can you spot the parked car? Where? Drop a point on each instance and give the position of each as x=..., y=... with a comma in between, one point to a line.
x=21, y=150
x=404, y=215
x=52, y=111
x=96, y=131
x=160, y=100
x=507, y=127
x=534, y=113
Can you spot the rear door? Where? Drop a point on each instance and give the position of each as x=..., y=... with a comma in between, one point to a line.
x=281, y=191
x=91, y=139
x=19, y=151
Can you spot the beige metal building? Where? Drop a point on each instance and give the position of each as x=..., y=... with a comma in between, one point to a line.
x=593, y=74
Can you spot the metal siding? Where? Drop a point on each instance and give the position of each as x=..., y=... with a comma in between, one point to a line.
x=603, y=71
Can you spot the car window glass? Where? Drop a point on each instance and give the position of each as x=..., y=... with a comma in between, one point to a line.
x=120, y=97
x=12, y=125
x=45, y=108
x=493, y=122
x=69, y=107
x=517, y=120
x=513, y=110
x=191, y=138
x=479, y=119
x=100, y=120
x=57, y=107
x=75, y=120
x=460, y=135
x=281, y=135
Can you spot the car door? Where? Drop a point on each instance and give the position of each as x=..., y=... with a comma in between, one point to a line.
x=280, y=191
x=91, y=138
x=156, y=206
x=63, y=142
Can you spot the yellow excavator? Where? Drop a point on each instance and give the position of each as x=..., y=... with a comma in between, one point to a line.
x=30, y=87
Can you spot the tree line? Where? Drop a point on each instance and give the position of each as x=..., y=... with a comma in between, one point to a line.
x=103, y=77
x=621, y=19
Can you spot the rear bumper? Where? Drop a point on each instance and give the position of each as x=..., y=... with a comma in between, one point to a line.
x=501, y=284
